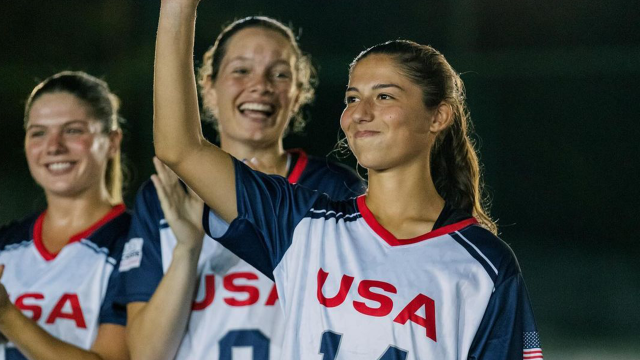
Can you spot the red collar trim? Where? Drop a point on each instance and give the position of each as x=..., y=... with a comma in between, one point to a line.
x=37, y=230
x=392, y=240
x=301, y=164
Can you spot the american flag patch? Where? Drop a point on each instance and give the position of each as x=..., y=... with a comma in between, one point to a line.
x=532, y=349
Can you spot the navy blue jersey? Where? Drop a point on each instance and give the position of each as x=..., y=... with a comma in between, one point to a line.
x=69, y=294
x=236, y=308
x=351, y=290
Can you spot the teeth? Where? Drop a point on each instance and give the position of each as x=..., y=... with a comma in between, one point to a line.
x=59, y=166
x=256, y=107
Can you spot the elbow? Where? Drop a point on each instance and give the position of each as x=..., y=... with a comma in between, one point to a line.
x=169, y=156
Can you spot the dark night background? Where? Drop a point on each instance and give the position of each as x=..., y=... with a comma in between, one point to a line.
x=552, y=87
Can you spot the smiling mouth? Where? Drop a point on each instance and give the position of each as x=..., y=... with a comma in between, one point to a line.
x=365, y=134
x=60, y=167
x=256, y=110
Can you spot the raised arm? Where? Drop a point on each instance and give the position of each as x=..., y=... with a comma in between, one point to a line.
x=177, y=132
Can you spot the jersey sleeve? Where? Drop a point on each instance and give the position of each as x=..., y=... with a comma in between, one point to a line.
x=110, y=311
x=269, y=208
x=141, y=264
x=508, y=329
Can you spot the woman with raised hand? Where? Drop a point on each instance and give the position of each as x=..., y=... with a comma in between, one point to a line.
x=58, y=267
x=410, y=270
x=253, y=81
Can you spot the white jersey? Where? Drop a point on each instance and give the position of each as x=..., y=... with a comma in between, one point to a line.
x=236, y=314
x=351, y=290
x=69, y=294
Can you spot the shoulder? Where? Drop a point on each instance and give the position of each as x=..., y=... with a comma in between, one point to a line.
x=17, y=231
x=492, y=252
x=326, y=208
x=147, y=204
x=331, y=177
x=113, y=233
x=331, y=168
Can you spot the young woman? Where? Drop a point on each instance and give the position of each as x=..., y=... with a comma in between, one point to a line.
x=254, y=80
x=59, y=278
x=412, y=269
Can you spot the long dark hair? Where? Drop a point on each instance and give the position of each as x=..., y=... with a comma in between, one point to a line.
x=455, y=167
x=104, y=107
x=306, y=73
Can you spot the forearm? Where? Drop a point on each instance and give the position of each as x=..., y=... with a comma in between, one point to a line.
x=177, y=128
x=156, y=331
x=177, y=132
x=35, y=343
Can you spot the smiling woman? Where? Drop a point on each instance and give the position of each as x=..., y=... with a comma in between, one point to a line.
x=59, y=265
x=433, y=280
x=253, y=82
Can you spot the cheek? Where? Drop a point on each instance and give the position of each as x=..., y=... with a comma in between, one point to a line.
x=344, y=120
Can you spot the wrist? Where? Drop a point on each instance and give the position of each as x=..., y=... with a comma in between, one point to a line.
x=188, y=250
x=7, y=312
x=179, y=9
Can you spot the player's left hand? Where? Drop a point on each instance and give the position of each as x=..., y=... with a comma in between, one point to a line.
x=182, y=209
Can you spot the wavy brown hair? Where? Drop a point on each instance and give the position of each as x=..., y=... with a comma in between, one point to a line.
x=455, y=167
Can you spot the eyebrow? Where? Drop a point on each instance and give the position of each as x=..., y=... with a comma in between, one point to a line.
x=377, y=87
x=71, y=122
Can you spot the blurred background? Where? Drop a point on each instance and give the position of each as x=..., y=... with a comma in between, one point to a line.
x=552, y=87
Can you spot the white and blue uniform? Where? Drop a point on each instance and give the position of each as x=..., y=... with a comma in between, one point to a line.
x=235, y=314
x=351, y=290
x=69, y=294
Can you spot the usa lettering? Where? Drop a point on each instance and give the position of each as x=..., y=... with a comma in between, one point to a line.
x=31, y=305
x=375, y=291
x=239, y=285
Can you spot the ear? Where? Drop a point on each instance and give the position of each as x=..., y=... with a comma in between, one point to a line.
x=442, y=118
x=210, y=97
x=115, y=139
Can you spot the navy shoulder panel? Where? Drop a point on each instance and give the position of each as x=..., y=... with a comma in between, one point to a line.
x=113, y=234
x=494, y=254
x=335, y=179
x=17, y=231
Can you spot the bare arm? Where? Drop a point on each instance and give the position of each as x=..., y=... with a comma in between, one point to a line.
x=155, y=329
x=37, y=344
x=177, y=132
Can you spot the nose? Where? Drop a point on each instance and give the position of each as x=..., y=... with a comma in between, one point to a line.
x=362, y=111
x=261, y=83
x=55, y=143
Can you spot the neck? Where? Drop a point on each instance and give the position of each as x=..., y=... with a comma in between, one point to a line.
x=78, y=211
x=404, y=199
x=271, y=156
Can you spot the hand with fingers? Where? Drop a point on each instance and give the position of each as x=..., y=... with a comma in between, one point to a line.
x=182, y=207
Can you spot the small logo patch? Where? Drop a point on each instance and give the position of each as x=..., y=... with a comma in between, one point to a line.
x=132, y=254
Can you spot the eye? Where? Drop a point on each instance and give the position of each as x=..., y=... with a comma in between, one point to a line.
x=350, y=99
x=240, y=71
x=36, y=133
x=74, y=131
x=385, y=97
x=281, y=74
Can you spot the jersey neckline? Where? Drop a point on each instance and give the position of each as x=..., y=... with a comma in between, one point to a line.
x=298, y=168
x=37, y=231
x=390, y=239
